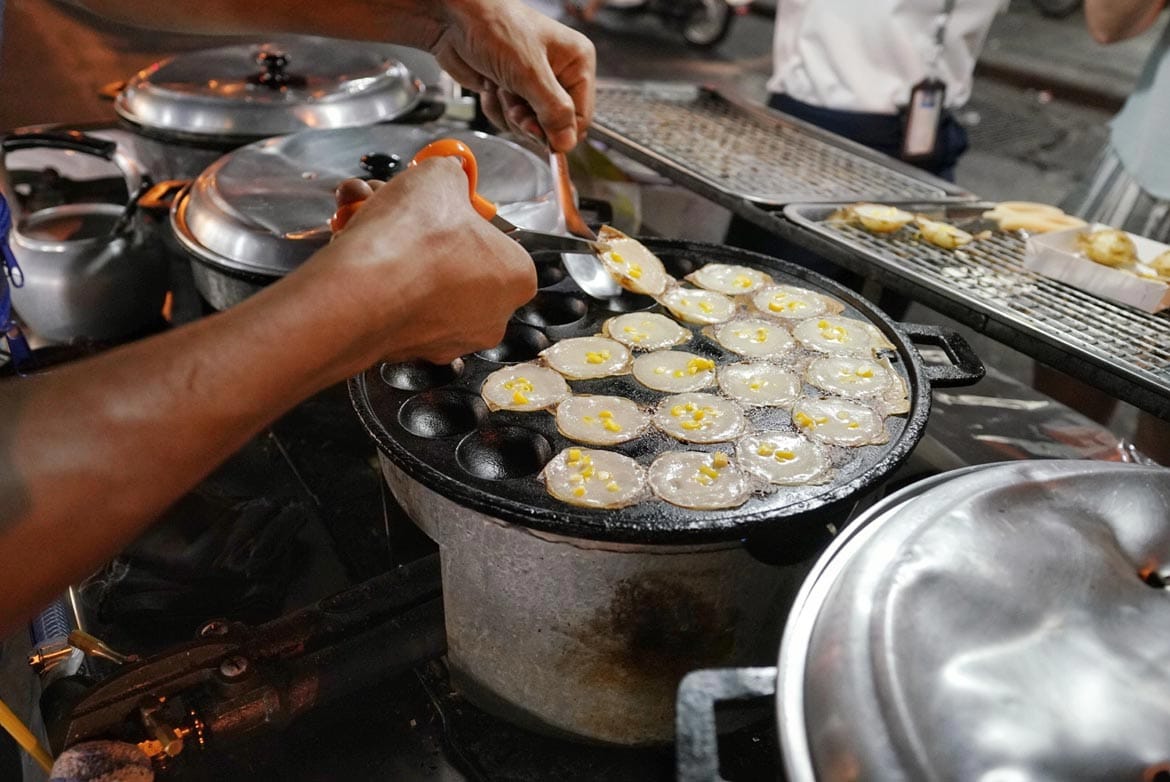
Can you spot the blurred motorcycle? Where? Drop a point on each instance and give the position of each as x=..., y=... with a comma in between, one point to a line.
x=703, y=23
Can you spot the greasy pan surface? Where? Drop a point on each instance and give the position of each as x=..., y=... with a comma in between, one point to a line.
x=431, y=422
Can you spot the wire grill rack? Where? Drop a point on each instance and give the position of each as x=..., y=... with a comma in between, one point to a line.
x=748, y=152
x=989, y=277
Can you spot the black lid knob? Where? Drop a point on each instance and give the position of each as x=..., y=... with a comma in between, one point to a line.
x=275, y=73
x=380, y=165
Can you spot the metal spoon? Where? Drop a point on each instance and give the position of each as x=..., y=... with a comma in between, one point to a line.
x=585, y=269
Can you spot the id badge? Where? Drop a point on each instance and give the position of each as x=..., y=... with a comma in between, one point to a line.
x=923, y=118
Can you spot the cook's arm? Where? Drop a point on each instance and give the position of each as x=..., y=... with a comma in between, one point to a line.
x=1110, y=21
x=534, y=73
x=92, y=452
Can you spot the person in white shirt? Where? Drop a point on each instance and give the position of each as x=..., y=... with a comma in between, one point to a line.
x=849, y=66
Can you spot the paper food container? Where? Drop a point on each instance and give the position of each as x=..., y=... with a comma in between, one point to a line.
x=1056, y=255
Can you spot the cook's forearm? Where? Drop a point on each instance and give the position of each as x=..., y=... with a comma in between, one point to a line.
x=1115, y=20
x=92, y=453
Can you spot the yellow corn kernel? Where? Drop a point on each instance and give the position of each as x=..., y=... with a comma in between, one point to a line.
x=587, y=419
x=611, y=425
x=678, y=373
x=597, y=357
x=519, y=384
x=697, y=365
x=705, y=306
x=699, y=415
x=742, y=281
x=703, y=480
x=635, y=271
x=629, y=329
x=677, y=410
x=776, y=306
x=784, y=456
x=720, y=460
x=854, y=425
x=803, y=420
x=765, y=450
x=660, y=370
x=579, y=491
x=574, y=455
x=576, y=477
x=865, y=372
x=518, y=398
x=691, y=426
x=822, y=324
x=690, y=406
x=761, y=335
x=605, y=414
x=617, y=258
x=612, y=486
x=587, y=471
x=756, y=385
x=685, y=302
x=824, y=419
x=710, y=472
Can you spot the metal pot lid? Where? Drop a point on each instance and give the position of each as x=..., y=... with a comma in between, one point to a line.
x=1008, y=623
x=264, y=208
x=259, y=90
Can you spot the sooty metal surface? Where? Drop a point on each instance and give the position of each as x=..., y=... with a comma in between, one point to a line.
x=750, y=152
x=988, y=276
x=431, y=422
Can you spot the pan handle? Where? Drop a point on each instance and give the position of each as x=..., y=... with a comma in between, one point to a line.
x=966, y=367
x=696, y=737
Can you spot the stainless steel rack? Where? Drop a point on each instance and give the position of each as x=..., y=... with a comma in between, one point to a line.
x=1120, y=349
x=725, y=148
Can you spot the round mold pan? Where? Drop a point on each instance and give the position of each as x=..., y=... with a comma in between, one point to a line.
x=494, y=468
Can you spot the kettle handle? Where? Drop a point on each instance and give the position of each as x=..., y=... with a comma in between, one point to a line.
x=73, y=140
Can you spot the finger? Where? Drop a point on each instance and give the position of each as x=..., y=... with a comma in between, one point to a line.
x=578, y=79
x=374, y=184
x=489, y=101
x=460, y=71
x=520, y=115
x=352, y=191
x=554, y=110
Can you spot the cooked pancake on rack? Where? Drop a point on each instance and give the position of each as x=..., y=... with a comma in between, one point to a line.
x=601, y=420
x=703, y=481
x=646, y=331
x=594, y=479
x=524, y=388
x=875, y=218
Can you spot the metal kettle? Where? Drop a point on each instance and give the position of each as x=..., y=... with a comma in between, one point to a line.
x=93, y=271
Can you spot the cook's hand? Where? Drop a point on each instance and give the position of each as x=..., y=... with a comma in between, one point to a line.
x=433, y=279
x=534, y=74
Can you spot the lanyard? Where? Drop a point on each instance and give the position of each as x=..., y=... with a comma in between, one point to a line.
x=940, y=37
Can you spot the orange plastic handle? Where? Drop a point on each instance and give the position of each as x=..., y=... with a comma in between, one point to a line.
x=450, y=147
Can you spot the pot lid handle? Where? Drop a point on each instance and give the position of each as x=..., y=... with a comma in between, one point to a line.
x=275, y=76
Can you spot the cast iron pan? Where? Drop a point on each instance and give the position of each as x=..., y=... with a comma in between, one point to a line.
x=431, y=422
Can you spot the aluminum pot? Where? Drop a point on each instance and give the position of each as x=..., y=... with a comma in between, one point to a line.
x=1000, y=621
x=259, y=212
x=536, y=620
x=90, y=270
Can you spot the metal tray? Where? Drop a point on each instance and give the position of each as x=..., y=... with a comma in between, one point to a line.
x=431, y=422
x=723, y=146
x=985, y=285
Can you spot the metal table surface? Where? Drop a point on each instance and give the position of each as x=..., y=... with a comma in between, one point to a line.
x=730, y=150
